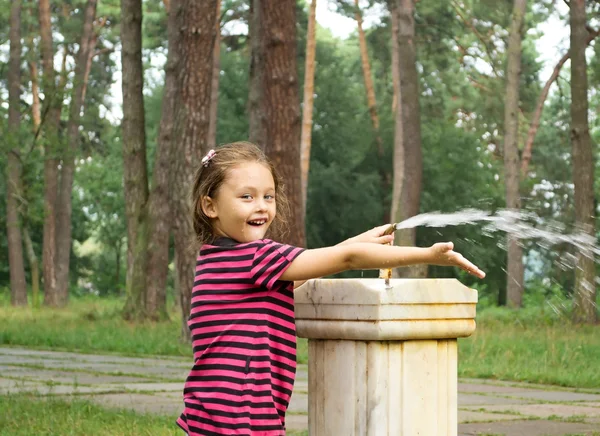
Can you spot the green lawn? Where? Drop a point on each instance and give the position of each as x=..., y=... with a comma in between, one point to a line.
x=25, y=416
x=530, y=345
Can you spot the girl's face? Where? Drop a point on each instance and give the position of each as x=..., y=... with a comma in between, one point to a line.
x=243, y=207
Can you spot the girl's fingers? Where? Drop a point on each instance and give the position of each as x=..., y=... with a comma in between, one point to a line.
x=471, y=268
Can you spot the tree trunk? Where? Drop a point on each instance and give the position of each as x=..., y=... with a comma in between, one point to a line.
x=88, y=64
x=196, y=34
x=214, y=93
x=18, y=285
x=52, y=108
x=408, y=160
x=134, y=158
x=385, y=177
x=35, y=93
x=36, y=113
x=398, y=181
x=515, y=270
x=34, y=265
x=535, y=122
x=64, y=212
x=307, y=106
x=117, y=266
x=396, y=108
x=36, y=117
x=159, y=210
x=277, y=108
x=584, y=307
x=256, y=132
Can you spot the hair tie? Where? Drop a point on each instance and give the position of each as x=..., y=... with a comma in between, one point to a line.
x=206, y=159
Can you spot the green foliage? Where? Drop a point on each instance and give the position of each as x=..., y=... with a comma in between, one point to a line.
x=232, y=119
x=461, y=59
x=342, y=170
x=446, y=148
x=100, y=199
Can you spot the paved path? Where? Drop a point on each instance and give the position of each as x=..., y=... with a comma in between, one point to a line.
x=154, y=385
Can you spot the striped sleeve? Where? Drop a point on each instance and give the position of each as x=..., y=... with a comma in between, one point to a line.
x=270, y=262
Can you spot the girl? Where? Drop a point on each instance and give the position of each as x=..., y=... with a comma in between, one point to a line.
x=242, y=316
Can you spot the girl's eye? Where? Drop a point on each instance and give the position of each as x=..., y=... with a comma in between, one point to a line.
x=246, y=197
x=269, y=197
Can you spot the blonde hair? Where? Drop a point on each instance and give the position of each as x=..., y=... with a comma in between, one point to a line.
x=209, y=178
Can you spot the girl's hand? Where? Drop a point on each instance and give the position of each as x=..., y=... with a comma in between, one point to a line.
x=443, y=254
x=375, y=235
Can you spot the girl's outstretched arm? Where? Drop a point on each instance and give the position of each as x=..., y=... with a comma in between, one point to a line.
x=373, y=236
x=331, y=260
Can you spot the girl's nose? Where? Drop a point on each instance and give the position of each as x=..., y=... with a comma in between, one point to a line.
x=261, y=204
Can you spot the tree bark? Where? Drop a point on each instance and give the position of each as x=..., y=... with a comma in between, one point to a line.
x=214, y=93
x=159, y=210
x=64, y=212
x=256, y=132
x=307, y=106
x=34, y=265
x=91, y=54
x=584, y=307
x=35, y=95
x=515, y=270
x=535, y=122
x=396, y=108
x=18, y=285
x=36, y=117
x=51, y=118
x=277, y=108
x=408, y=153
x=134, y=158
x=196, y=30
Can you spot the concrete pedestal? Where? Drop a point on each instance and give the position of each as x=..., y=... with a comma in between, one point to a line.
x=383, y=361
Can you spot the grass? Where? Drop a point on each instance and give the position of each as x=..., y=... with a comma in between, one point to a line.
x=25, y=415
x=90, y=325
x=530, y=345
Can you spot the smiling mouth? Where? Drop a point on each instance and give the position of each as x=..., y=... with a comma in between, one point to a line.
x=257, y=222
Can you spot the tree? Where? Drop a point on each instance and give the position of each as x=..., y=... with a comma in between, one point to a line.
x=51, y=118
x=18, y=285
x=64, y=211
x=515, y=269
x=398, y=180
x=159, y=213
x=134, y=158
x=195, y=42
x=274, y=100
x=535, y=122
x=307, y=106
x=409, y=199
x=214, y=94
x=583, y=166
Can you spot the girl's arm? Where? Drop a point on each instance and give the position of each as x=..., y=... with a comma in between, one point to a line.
x=331, y=260
x=374, y=236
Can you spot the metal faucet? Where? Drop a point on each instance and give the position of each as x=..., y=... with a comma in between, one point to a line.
x=386, y=273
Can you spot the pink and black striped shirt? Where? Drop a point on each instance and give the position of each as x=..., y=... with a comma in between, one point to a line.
x=244, y=340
